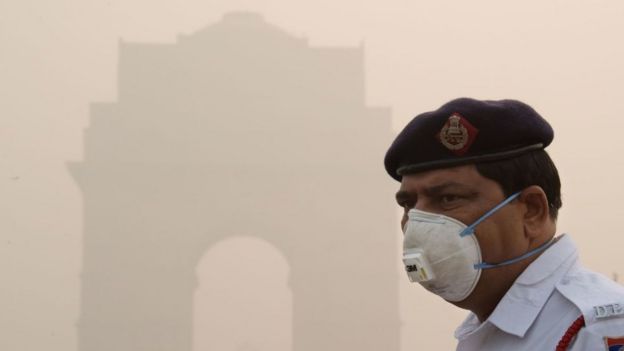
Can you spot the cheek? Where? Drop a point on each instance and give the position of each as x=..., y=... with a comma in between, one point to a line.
x=501, y=239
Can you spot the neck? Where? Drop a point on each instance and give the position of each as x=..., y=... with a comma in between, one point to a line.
x=484, y=308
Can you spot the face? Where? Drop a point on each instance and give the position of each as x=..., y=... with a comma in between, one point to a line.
x=463, y=194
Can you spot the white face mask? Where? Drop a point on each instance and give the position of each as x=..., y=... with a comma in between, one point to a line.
x=443, y=255
x=438, y=258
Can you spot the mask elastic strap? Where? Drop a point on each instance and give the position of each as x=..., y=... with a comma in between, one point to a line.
x=470, y=229
x=484, y=265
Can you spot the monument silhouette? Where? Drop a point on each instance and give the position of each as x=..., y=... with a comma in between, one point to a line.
x=239, y=129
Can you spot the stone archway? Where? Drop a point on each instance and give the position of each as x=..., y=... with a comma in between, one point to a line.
x=238, y=128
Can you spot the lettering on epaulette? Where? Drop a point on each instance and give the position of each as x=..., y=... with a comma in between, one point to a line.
x=610, y=310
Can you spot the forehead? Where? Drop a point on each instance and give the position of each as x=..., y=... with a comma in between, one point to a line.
x=462, y=176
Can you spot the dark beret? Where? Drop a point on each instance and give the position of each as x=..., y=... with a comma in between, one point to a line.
x=465, y=131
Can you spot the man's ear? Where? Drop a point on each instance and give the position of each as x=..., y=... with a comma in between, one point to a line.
x=537, y=215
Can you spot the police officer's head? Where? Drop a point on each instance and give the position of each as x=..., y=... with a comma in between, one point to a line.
x=504, y=140
x=463, y=159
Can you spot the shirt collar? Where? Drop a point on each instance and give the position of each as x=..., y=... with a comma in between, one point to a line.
x=517, y=310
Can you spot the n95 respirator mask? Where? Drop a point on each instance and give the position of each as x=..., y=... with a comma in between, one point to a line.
x=438, y=258
x=443, y=254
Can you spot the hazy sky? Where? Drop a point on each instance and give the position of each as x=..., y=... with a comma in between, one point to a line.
x=562, y=57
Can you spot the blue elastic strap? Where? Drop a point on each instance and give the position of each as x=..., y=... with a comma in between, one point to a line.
x=470, y=229
x=484, y=265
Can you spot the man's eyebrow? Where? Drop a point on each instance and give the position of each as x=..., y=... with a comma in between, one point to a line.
x=437, y=189
x=403, y=195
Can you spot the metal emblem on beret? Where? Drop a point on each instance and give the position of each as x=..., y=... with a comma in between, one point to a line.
x=457, y=134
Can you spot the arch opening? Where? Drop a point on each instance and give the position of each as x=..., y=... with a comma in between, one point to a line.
x=242, y=301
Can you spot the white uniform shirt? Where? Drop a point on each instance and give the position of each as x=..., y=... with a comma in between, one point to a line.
x=544, y=301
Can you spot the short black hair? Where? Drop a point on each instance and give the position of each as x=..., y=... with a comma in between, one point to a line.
x=517, y=173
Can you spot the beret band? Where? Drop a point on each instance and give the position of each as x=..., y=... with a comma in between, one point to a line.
x=467, y=160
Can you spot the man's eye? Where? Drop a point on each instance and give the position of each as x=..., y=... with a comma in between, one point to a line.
x=449, y=198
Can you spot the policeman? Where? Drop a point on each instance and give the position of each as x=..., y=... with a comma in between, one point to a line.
x=480, y=198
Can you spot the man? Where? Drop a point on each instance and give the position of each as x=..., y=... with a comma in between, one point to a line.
x=480, y=198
